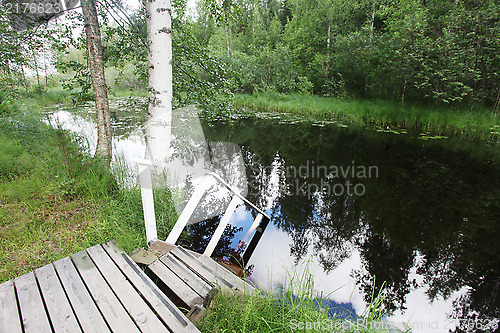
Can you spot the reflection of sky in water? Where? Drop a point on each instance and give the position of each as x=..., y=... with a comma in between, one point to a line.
x=272, y=260
x=273, y=263
x=126, y=149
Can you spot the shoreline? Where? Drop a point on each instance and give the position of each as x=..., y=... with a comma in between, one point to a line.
x=381, y=115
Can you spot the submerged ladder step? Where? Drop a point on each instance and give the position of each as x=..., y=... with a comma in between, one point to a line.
x=191, y=276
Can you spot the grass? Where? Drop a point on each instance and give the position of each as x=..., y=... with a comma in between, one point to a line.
x=56, y=200
x=38, y=101
x=480, y=124
x=295, y=307
x=120, y=92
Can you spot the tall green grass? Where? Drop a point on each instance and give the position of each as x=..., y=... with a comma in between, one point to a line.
x=296, y=306
x=36, y=101
x=56, y=200
x=479, y=124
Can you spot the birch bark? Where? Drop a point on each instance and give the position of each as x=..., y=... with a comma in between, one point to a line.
x=96, y=63
x=158, y=133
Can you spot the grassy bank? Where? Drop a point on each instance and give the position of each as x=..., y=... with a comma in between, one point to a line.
x=38, y=101
x=56, y=200
x=482, y=124
x=296, y=307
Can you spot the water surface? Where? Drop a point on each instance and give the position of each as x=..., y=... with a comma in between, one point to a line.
x=416, y=220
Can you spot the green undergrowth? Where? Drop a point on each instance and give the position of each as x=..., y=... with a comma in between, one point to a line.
x=386, y=115
x=295, y=307
x=56, y=200
x=39, y=101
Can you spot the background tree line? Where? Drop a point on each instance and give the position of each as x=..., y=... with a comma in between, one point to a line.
x=433, y=52
x=444, y=51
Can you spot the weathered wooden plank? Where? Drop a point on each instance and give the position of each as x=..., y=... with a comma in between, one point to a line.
x=220, y=270
x=10, y=322
x=224, y=271
x=85, y=309
x=34, y=317
x=199, y=268
x=175, y=283
x=165, y=309
x=61, y=315
x=109, y=305
x=140, y=312
x=196, y=283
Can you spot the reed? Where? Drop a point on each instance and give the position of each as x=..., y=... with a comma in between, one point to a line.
x=446, y=121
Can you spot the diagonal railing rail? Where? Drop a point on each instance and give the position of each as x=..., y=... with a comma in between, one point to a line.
x=260, y=222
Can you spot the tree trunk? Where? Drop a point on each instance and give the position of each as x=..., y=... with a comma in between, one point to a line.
x=497, y=105
x=404, y=93
x=370, y=43
x=372, y=22
x=160, y=79
x=25, y=82
x=37, y=73
x=9, y=75
x=328, y=43
x=226, y=28
x=45, y=69
x=96, y=62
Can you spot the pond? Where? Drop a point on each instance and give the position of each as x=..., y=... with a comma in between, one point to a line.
x=364, y=211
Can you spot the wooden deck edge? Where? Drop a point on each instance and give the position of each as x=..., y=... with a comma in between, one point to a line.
x=98, y=289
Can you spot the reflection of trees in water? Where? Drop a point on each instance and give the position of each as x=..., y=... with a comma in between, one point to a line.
x=388, y=267
x=435, y=199
x=127, y=114
x=474, y=321
x=197, y=236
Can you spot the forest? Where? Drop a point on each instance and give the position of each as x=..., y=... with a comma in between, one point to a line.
x=431, y=53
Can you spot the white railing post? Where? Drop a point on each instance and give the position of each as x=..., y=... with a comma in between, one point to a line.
x=188, y=211
x=148, y=206
x=222, y=226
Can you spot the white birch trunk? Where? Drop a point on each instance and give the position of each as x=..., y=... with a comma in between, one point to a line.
x=159, y=130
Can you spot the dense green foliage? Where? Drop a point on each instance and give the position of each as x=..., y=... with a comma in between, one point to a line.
x=435, y=51
x=28, y=52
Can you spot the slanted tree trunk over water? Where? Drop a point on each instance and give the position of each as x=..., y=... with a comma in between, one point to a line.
x=160, y=79
x=96, y=62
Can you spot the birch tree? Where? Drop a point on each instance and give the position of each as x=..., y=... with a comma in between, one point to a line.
x=159, y=25
x=96, y=64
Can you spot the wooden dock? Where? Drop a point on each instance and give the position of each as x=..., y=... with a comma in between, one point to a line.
x=191, y=276
x=102, y=289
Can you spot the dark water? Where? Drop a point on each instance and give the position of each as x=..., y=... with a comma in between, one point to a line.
x=369, y=213
x=377, y=211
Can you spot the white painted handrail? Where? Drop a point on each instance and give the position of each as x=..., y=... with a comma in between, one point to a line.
x=149, y=213
x=148, y=205
x=188, y=210
x=222, y=226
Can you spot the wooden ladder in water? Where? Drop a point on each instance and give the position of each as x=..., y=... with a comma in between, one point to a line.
x=189, y=278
